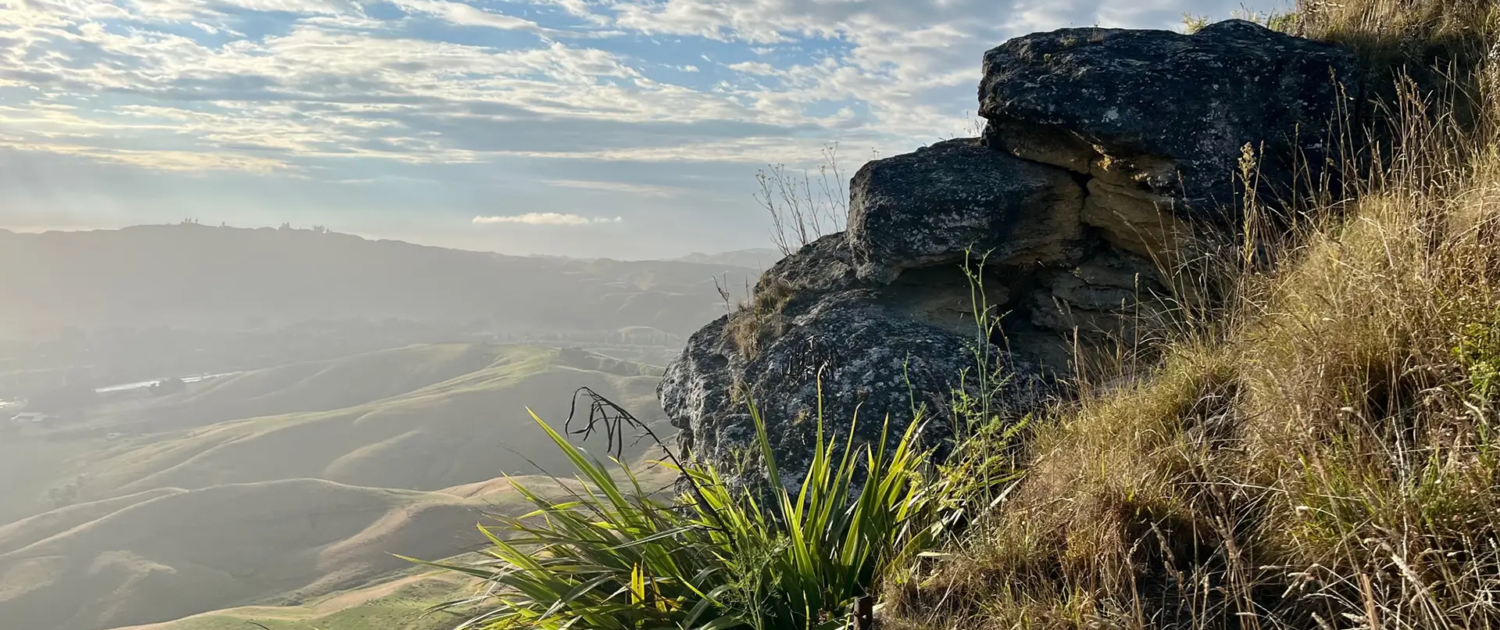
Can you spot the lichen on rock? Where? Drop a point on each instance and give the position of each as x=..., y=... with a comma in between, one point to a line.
x=1169, y=113
x=926, y=208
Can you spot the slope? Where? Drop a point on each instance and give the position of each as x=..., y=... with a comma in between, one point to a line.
x=310, y=386
x=400, y=604
x=47, y=459
x=467, y=429
x=188, y=552
x=27, y=531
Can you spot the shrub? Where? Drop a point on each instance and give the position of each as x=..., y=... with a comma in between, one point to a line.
x=614, y=555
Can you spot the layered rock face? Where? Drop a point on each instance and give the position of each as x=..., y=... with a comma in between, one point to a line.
x=1148, y=115
x=1107, y=153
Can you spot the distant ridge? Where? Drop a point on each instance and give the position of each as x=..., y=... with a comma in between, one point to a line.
x=759, y=259
x=218, y=278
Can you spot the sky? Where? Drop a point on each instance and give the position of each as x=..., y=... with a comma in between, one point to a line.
x=590, y=128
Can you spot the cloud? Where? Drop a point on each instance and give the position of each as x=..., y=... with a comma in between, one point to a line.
x=645, y=190
x=467, y=15
x=544, y=218
x=336, y=79
x=754, y=67
x=462, y=14
x=545, y=103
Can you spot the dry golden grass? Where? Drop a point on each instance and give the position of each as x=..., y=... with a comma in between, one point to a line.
x=759, y=319
x=1390, y=33
x=1320, y=453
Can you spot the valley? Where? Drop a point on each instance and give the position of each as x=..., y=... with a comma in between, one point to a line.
x=282, y=485
x=165, y=464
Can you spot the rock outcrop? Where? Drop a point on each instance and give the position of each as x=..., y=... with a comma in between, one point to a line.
x=1106, y=154
x=925, y=208
x=1164, y=114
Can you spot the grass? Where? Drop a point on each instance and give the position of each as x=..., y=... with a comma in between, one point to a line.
x=321, y=385
x=146, y=539
x=760, y=320
x=615, y=556
x=166, y=556
x=1320, y=451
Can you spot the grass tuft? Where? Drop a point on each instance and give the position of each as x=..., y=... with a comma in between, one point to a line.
x=759, y=320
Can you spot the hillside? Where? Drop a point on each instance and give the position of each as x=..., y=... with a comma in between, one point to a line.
x=36, y=528
x=400, y=604
x=180, y=553
x=309, y=386
x=421, y=417
x=194, y=276
x=1230, y=358
x=758, y=259
x=129, y=439
x=283, y=484
x=470, y=428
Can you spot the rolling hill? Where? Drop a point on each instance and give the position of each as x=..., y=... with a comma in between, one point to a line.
x=193, y=276
x=27, y=531
x=402, y=601
x=283, y=485
x=466, y=429
x=310, y=386
x=180, y=553
x=401, y=604
x=421, y=417
x=758, y=259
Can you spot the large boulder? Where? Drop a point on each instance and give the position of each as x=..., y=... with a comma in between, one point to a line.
x=1108, y=155
x=842, y=355
x=1168, y=113
x=933, y=205
x=825, y=265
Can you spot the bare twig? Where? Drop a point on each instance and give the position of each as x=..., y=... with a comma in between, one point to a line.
x=607, y=416
x=800, y=212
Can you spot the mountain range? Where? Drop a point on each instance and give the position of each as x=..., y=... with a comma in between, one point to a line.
x=222, y=278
